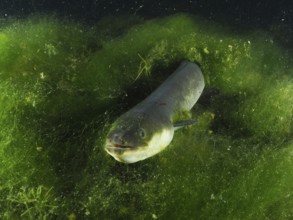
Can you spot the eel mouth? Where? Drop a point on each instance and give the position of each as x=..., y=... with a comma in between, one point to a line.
x=114, y=147
x=118, y=147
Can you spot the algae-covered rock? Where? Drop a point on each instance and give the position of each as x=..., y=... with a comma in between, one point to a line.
x=63, y=83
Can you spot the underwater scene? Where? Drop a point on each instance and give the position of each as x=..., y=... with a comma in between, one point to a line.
x=69, y=69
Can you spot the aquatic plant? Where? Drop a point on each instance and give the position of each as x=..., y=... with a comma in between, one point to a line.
x=37, y=203
x=63, y=83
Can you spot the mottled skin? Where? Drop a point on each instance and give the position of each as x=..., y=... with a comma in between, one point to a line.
x=147, y=128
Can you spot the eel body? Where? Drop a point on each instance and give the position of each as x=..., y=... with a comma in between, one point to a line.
x=148, y=127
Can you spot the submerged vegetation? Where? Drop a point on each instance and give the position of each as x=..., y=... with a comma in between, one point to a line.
x=62, y=84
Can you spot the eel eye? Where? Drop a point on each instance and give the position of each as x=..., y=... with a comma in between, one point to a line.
x=141, y=133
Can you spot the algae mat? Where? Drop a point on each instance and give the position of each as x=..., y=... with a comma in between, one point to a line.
x=63, y=83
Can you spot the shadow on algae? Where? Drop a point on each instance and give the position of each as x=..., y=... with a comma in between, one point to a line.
x=63, y=83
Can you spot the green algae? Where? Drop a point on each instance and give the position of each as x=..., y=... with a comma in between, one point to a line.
x=63, y=83
x=268, y=114
x=24, y=163
x=262, y=192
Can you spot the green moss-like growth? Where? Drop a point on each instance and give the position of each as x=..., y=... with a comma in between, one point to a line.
x=262, y=192
x=37, y=72
x=269, y=114
x=62, y=84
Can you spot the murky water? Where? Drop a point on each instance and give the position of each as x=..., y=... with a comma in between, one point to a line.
x=69, y=69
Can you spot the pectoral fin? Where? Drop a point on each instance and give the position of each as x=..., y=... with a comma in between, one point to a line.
x=181, y=124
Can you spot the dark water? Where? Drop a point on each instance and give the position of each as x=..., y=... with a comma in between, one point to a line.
x=252, y=13
x=242, y=15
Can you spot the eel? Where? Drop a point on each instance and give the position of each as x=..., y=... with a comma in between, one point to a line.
x=148, y=127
